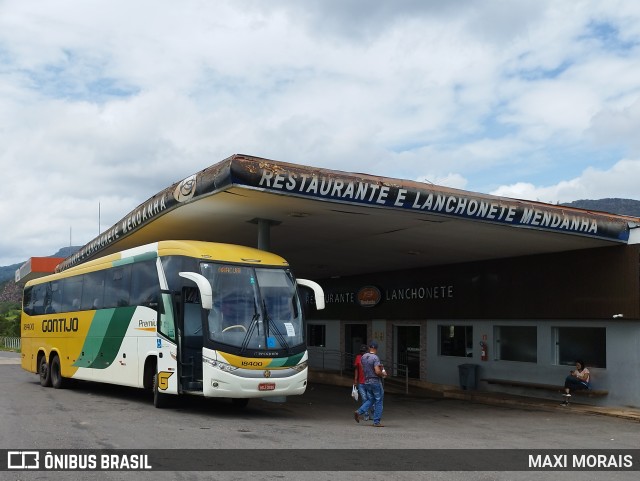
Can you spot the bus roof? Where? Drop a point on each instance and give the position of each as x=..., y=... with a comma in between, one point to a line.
x=209, y=251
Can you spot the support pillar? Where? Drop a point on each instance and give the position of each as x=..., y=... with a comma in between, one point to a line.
x=264, y=232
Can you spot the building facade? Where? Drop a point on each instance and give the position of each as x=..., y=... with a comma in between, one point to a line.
x=524, y=319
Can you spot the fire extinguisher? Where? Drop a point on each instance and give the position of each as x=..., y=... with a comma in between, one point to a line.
x=484, y=354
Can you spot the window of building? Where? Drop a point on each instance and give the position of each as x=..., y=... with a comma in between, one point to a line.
x=316, y=335
x=516, y=343
x=586, y=343
x=456, y=341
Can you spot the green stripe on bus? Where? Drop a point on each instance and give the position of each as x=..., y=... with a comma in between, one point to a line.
x=113, y=337
x=139, y=258
x=286, y=361
x=105, y=337
x=93, y=341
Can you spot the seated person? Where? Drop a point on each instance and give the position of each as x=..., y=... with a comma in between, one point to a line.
x=579, y=378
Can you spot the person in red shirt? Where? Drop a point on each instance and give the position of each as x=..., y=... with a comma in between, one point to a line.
x=374, y=373
x=358, y=377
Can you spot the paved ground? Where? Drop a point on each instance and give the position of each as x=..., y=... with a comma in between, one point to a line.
x=99, y=416
x=496, y=399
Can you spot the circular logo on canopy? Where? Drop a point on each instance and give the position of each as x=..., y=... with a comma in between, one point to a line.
x=369, y=296
x=185, y=189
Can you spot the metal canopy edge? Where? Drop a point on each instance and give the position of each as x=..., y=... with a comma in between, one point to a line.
x=371, y=191
x=364, y=191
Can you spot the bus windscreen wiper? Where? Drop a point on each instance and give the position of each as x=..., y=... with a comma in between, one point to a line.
x=252, y=327
x=270, y=326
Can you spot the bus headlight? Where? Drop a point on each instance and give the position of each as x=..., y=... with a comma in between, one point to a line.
x=223, y=366
x=300, y=367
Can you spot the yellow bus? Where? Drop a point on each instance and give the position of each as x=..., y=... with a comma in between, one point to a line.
x=175, y=317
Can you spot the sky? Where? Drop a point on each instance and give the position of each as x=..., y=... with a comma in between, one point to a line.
x=104, y=104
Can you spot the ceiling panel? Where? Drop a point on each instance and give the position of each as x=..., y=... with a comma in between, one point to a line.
x=324, y=239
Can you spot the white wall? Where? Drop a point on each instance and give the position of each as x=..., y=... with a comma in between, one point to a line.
x=620, y=377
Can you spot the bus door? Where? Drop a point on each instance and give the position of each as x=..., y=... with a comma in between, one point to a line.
x=192, y=340
x=166, y=347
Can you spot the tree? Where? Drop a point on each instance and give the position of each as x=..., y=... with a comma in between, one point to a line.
x=9, y=319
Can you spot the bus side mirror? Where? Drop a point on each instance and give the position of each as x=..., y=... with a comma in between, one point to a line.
x=206, y=296
x=318, y=292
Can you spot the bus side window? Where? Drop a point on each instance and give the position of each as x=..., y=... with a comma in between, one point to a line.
x=166, y=322
x=71, y=292
x=116, y=292
x=52, y=298
x=38, y=299
x=27, y=301
x=192, y=313
x=92, y=291
x=144, y=285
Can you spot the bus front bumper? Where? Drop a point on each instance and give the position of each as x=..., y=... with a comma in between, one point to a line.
x=260, y=384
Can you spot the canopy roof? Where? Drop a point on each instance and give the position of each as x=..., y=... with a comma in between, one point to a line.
x=329, y=223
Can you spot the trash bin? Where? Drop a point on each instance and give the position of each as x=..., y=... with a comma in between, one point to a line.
x=468, y=376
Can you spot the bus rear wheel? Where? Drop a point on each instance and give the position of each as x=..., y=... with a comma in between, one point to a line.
x=57, y=381
x=44, y=372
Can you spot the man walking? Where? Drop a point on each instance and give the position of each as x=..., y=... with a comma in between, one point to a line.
x=373, y=373
x=358, y=379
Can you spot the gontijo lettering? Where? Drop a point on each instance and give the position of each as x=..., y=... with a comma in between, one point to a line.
x=60, y=325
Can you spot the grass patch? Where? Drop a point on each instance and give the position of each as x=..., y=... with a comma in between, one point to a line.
x=9, y=349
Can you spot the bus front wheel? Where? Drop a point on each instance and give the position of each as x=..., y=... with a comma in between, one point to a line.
x=57, y=381
x=44, y=372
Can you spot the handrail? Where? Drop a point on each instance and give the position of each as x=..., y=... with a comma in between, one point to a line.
x=341, y=361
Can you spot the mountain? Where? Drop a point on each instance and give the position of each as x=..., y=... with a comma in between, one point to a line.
x=66, y=251
x=613, y=206
x=10, y=291
x=9, y=272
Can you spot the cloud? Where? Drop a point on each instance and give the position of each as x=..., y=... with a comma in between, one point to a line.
x=111, y=102
x=619, y=124
x=620, y=181
x=455, y=181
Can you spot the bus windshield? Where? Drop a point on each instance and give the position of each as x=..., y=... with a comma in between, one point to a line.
x=253, y=308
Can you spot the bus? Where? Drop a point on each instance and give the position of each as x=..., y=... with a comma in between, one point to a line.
x=173, y=317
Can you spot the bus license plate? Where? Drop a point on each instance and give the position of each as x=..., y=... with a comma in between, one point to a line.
x=266, y=386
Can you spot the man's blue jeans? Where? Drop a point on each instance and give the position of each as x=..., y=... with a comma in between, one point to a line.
x=362, y=392
x=375, y=394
